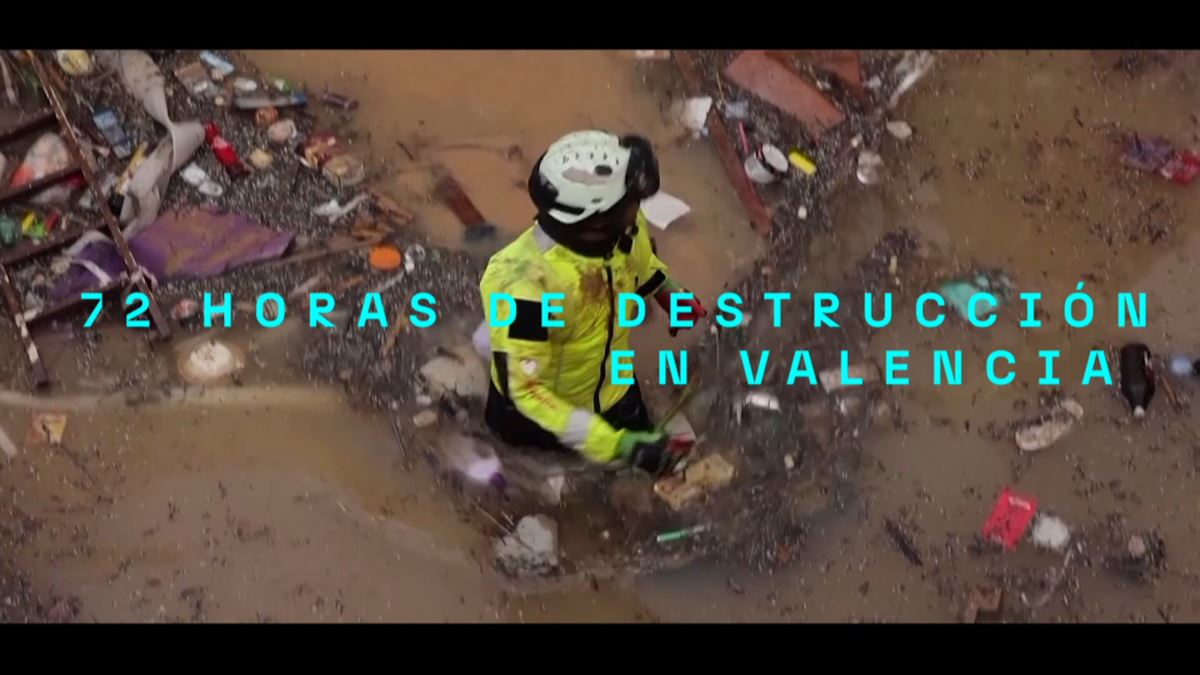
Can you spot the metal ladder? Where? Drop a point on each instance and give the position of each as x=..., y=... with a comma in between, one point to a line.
x=12, y=257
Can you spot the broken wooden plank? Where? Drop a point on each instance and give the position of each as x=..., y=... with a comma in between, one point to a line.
x=903, y=542
x=13, y=300
x=728, y=155
x=59, y=238
x=161, y=326
x=841, y=63
x=44, y=118
x=38, y=184
x=765, y=77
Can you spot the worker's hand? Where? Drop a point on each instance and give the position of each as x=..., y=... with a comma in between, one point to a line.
x=690, y=307
x=647, y=450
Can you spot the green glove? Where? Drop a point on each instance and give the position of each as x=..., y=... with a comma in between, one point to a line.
x=647, y=450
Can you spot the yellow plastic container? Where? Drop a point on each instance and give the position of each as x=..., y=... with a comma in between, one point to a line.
x=801, y=162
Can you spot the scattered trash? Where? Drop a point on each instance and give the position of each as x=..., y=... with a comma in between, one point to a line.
x=1051, y=532
x=685, y=533
x=649, y=54
x=983, y=600
x=197, y=177
x=803, y=163
x=412, y=255
x=211, y=362
x=281, y=132
x=6, y=443
x=281, y=85
x=344, y=171
x=245, y=85
x=385, y=257
x=425, y=418
x=698, y=478
x=831, y=380
x=47, y=155
x=251, y=101
x=109, y=126
x=802, y=213
x=903, y=541
x=663, y=209
x=789, y=462
x=260, y=159
x=693, y=113
x=216, y=62
x=1140, y=556
x=531, y=549
x=338, y=101
x=333, y=211
x=10, y=231
x=455, y=198
x=1147, y=154
x=194, y=78
x=870, y=168
x=74, y=62
x=188, y=243
x=224, y=152
x=148, y=185
x=47, y=428
x=1009, y=519
x=914, y=66
x=767, y=165
x=10, y=89
x=265, y=117
x=762, y=400
x=775, y=83
x=1184, y=366
x=185, y=309
x=1045, y=433
x=319, y=148
x=1137, y=377
x=958, y=293
x=899, y=130
x=459, y=374
x=389, y=206
x=875, y=82
x=1183, y=168
x=736, y=110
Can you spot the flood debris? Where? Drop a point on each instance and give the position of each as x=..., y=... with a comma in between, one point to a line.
x=870, y=168
x=455, y=373
x=1009, y=519
x=677, y=535
x=1047, y=431
x=6, y=443
x=47, y=427
x=532, y=549
x=903, y=541
x=697, y=479
x=766, y=165
x=1137, y=377
x=1139, y=557
x=834, y=379
x=663, y=209
x=911, y=69
x=959, y=292
x=765, y=77
x=693, y=114
x=899, y=129
x=983, y=601
x=1051, y=532
x=210, y=362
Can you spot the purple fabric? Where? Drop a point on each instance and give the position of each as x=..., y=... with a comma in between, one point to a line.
x=182, y=244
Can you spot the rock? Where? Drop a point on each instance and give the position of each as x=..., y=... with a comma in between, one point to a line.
x=1136, y=546
x=899, y=130
x=425, y=418
x=461, y=375
x=531, y=549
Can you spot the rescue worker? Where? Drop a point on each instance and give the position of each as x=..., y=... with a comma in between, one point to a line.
x=552, y=387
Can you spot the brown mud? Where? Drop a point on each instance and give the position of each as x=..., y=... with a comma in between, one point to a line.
x=290, y=502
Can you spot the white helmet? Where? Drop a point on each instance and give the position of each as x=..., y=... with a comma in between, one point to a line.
x=588, y=172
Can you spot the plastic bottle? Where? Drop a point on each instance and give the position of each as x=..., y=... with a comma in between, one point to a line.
x=224, y=152
x=1137, y=377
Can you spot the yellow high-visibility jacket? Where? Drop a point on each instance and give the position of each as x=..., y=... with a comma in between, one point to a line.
x=560, y=377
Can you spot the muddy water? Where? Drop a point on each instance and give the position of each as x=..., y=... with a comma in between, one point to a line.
x=296, y=512
x=1012, y=166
